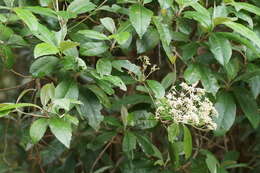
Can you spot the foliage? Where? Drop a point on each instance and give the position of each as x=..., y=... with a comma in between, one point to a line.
x=96, y=72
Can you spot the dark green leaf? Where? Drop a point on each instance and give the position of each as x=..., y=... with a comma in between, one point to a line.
x=44, y=66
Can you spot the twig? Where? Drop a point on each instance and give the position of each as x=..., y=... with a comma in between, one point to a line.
x=101, y=154
x=16, y=87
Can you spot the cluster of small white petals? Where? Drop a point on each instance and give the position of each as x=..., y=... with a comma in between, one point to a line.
x=187, y=106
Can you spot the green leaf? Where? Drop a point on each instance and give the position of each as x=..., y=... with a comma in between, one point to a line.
x=93, y=48
x=42, y=49
x=67, y=89
x=90, y=109
x=121, y=37
x=246, y=6
x=81, y=6
x=168, y=80
x=244, y=31
x=104, y=66
x=129, y=142
x=254, y=82
x=145, y=144
x=47, y=93
x=100, y=94
x=150, y=39
x=192, y=74
x=61, y=130
x=221, y=48
x=209, y=80
x=42, y=11
x=117, y=81
x=8, y=56
x=165, y=37
x=157, y=88
x=93, y=34
x=140, y=18
x=28, y=18
x=226, y=108
x=173, y=131
x=65, y=45
x=248, y=105
x=126, y=64
x=187, y=142
x=11, y=106
x=37, y=129
x=109, y=24
x=212, y=163
x=44, y=66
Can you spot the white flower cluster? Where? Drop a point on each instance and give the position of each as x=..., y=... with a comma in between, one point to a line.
x=187, y=106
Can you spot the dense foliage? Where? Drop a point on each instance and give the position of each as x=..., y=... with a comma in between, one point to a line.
x=131, y=86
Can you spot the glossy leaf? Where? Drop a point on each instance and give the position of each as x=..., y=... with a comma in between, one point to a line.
x=61, y=130
x=221, y=48
x=44, y=49
x=226, y=108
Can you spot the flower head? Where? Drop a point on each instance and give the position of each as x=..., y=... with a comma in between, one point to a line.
x=188, y=106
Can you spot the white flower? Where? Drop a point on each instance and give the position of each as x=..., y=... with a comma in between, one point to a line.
x=188, y=106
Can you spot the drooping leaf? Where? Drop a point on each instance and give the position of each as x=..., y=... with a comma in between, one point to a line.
x=103, y=98
x=140, y=18
x=165, y=38
x=168, y=80
x=248, y=105
x=37, y=129
x=187, y=142
x=61, y=130
x=90, y=109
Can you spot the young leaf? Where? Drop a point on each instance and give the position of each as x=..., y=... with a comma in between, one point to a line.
x=37, y=129
x=47, y=93
x=226, y=108
x=61, y=130
x=157, y=88
x=42, y=49
x=109, y=24
x=81, y=6
x=44, y=66
x=221, y=48
x=140, y=18
x=187, y=142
